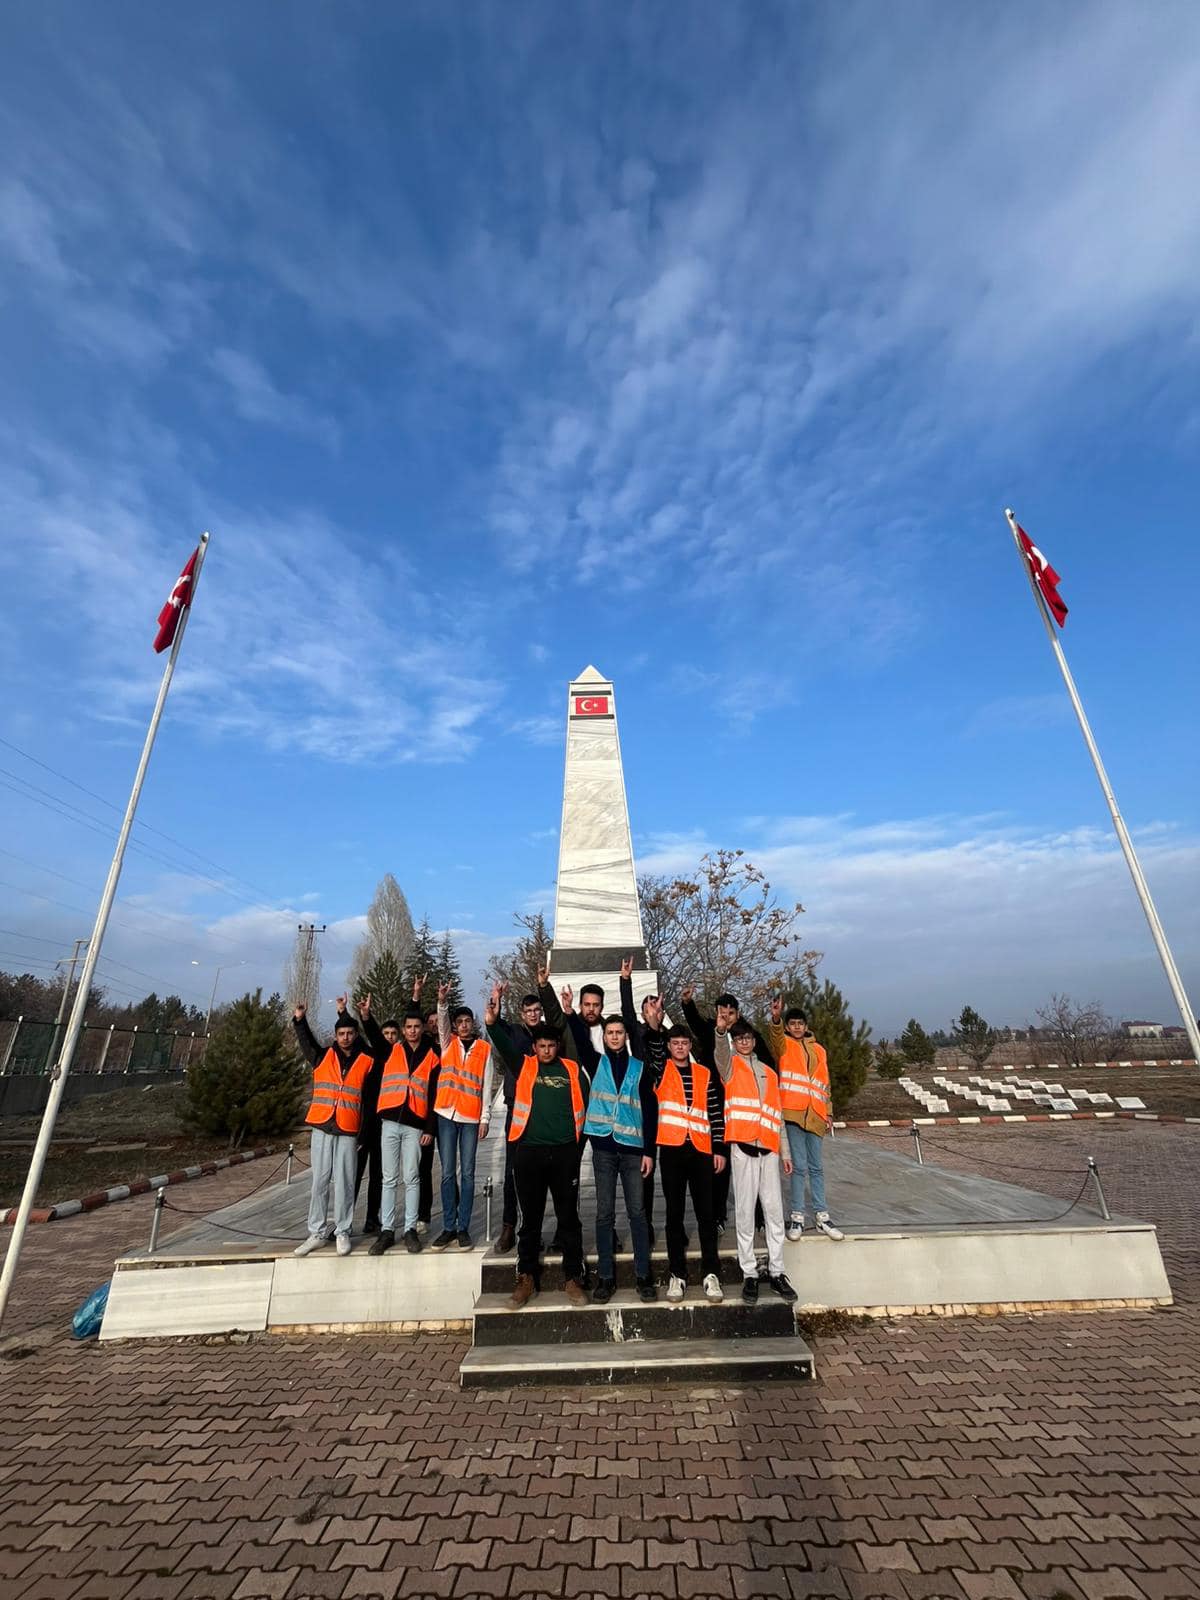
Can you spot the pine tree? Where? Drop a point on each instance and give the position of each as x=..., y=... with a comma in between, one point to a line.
x=250, y=1082
x=448, y=971
x=385, y=982
x=916, y=1045
x=973, y=1036
x=887, y=1063
x=847, y=1043
x=422, y=963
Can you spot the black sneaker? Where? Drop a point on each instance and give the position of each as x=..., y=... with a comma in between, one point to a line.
x=464, y=1240
x=443, y=1239
x=604, y=1290
x=371, y=1225
x=412, y=1242
x=783, y=1288
x=647, y=1289
x=750, y=1289
x=384, y=1243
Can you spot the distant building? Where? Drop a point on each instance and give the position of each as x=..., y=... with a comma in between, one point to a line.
x=1143, y=1030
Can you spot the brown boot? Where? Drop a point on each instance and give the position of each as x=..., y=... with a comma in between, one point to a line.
x=523, y=1292
x=575, y=1292
x=508, y=1238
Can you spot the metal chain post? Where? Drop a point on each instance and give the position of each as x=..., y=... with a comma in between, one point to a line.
x=916, y=1134
x=160, y=1199
x=1094, y=1174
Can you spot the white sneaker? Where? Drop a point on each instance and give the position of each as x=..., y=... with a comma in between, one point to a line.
x=795, y=1227
x=344, y=1246
x=675, y=1288
x=313, y=1242
x=827, y=1227
x=422, y=1228
x=712, y=1288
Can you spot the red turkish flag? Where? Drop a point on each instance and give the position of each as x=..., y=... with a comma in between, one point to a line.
x=180, y=596
x=591, y=705
x=1044, y=576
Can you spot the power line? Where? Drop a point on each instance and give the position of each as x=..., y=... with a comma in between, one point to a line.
x=148, y=827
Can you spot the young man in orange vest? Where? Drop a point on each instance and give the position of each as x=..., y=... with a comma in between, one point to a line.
x=405, y=1118
x=335, y=1116
x=807, y=1109
x=753, y=1126
x=549, y=1107
x=691, y=1151
x=462, y=1103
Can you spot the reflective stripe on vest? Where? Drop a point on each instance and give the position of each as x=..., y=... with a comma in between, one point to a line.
x=803, y=1077
x=460, y=1086
x=523, y=1099
x=613, y=1112
x=678, y=1122
x=399, y=1087
x=336, y=1096
x=749, y=1117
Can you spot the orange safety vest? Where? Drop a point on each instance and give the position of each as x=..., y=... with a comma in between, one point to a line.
x=335, y=1096
x=399, y=1087
x=460, y=1086
x=679, y=1123
x=749, y=1117
x=523, y=1100
x=804, y=1081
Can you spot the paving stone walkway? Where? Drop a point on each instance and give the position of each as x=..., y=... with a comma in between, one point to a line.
x=1055, y=1456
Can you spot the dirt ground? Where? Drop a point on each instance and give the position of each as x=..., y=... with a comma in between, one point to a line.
x=1173, y=1090
x=104, y=1140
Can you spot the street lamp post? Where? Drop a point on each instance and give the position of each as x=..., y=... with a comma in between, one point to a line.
x=212, y=999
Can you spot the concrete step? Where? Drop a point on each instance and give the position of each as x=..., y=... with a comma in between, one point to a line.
x=499, y=1271
x=638, y=1361
x=550, y=1318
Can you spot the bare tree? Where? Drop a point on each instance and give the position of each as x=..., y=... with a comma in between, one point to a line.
x=518, y=967
x=1079, y=1033
x=302, y=975
x=389, y=931
x=722, y=928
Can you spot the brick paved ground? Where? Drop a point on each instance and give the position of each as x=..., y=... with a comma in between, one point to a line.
x=970, y=1458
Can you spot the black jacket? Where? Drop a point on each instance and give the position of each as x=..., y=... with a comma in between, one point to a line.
x=704, y=1029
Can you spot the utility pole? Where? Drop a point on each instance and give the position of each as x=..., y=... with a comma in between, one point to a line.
x=68, y=984
x=310, y=930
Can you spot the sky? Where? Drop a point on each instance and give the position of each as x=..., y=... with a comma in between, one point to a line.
x=703, y=343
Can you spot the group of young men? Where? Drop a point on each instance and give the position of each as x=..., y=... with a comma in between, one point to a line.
x=704, y=1107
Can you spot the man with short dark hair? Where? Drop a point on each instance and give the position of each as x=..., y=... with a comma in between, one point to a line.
x=728, y=1011
x=531, y=1012
x=691, y=1149
x=753, y=1127
x=621, y=1125
x=549, y=1108
x=807, y=1111
x=335, y=1116
x=405, y=1118
x=462, y=1101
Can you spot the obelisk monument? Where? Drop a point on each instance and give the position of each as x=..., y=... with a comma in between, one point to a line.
x=596, y=917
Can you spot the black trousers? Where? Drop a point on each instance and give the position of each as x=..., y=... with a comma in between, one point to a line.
x=683, y=1169
x=552, y=1170
x=370, y=1161
x=425, y=1182
x=509, y=1215
x=648, y=1196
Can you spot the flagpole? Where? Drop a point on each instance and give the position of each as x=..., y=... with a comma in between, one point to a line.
x=62, y=1066
x=1130, y=854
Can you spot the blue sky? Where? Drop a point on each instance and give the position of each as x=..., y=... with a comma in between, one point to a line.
x=706, y=343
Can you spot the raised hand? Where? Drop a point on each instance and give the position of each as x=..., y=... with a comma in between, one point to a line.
x=543, y=976
x=298, y=1013
x=418, y=985
x=567, y=995
x=654, y=1011
x=491, y=1012
x=688, y=993
x=340, y=1003
x=777, y=1009
x=364, y=1007
x=627, y=966
x=443, y=993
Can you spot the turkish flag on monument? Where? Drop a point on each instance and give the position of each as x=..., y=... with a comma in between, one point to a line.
x=180, y=596
x=591, y=705
x=1044, y=576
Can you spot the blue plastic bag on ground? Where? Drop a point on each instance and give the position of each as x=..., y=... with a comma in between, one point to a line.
x=85, y=1324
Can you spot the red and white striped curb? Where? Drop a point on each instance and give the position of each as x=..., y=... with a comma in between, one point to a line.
x=123, y=1191
x=1067, y=1066
x=993, y=1117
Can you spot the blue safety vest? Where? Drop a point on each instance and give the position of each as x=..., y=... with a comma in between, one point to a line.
x=617, y=1114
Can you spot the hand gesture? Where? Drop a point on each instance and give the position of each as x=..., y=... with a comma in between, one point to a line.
x=298, y=1013
x=443, y=993
x=543, y=975
x=567, y=995
x=627, y=967
x=418, y=985
x=364, y=1007
x=491, y=1011
x=340, y=1003
x=653, y=1011
x=777, y=1009
x=688, y=993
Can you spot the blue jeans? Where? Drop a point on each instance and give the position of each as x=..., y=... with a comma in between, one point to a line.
x=457, y=1143
x=608, y=1166
x=806, y=1159
x=400, y=1146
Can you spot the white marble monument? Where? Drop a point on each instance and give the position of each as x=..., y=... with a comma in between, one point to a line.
x=596, y=915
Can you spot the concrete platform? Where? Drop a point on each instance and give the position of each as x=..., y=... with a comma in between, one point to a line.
x=646, y=1361
x=918, y=1239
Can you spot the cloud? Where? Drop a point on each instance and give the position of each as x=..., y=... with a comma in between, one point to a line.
x=925, y=915
x=257, y=399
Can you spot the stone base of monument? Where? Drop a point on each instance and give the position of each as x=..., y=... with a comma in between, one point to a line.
x=919, y=1239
